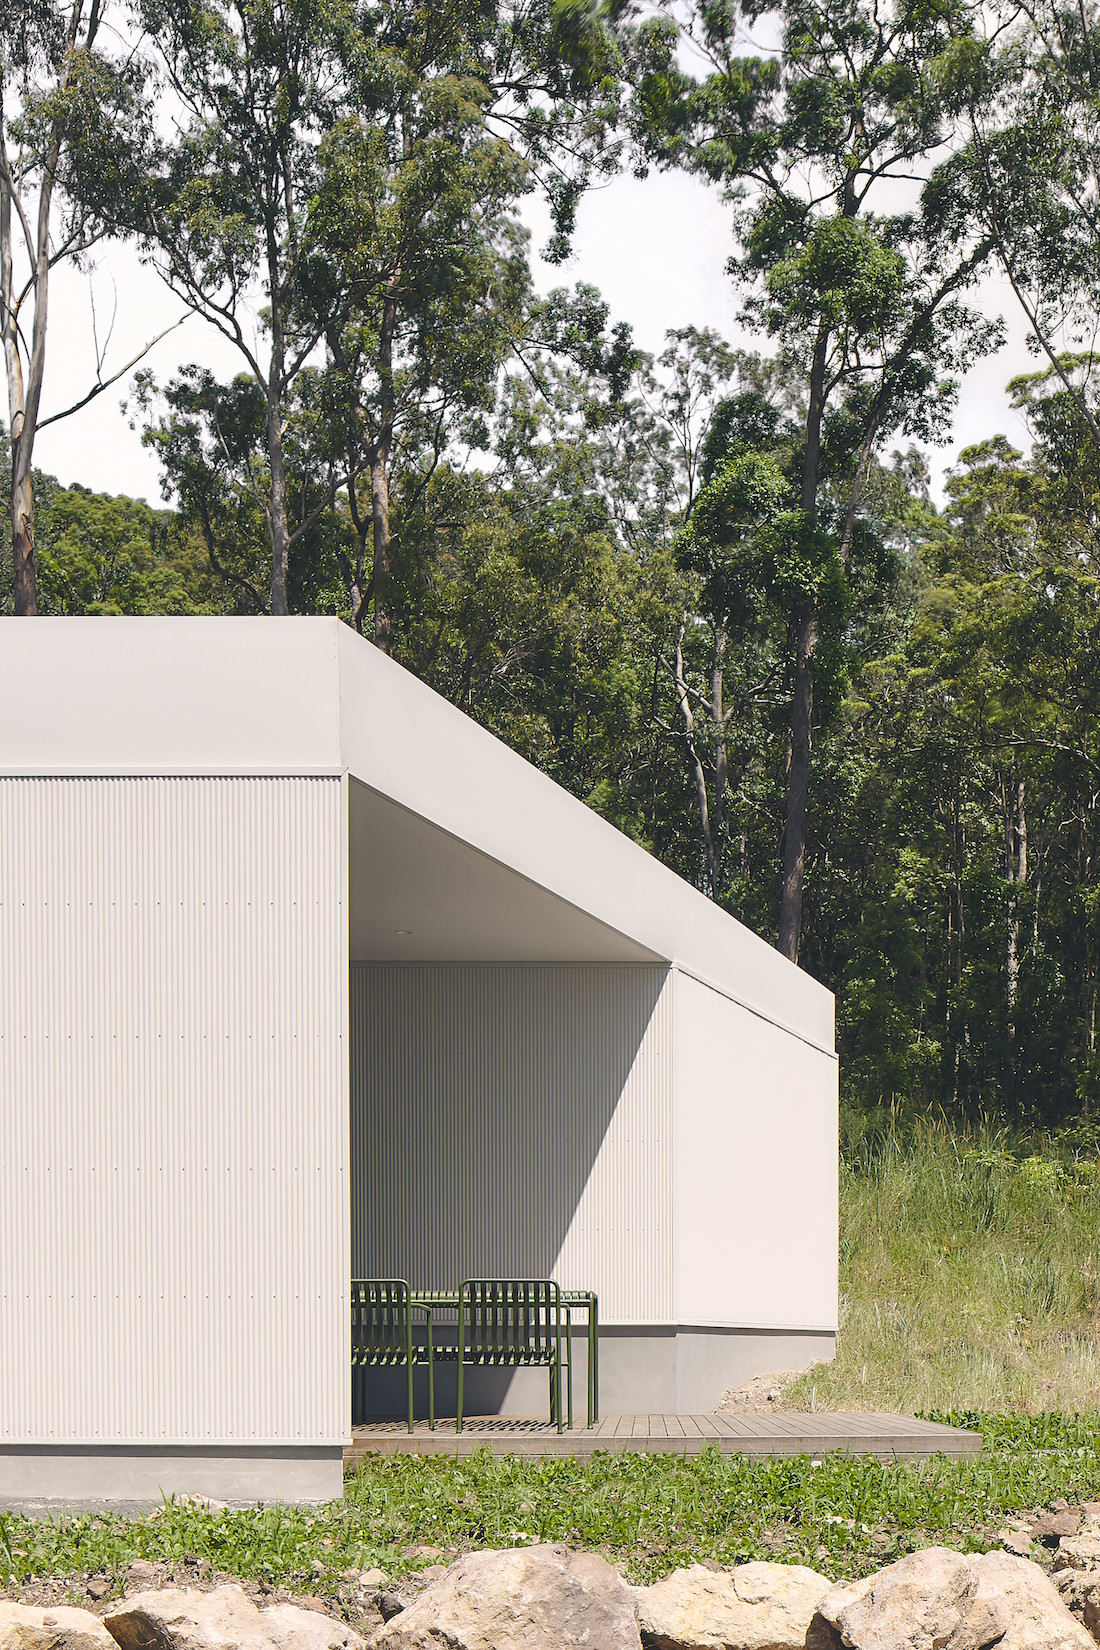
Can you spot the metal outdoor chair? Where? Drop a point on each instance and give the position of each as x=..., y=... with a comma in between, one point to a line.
x=382, y=1336
x=512, y=1323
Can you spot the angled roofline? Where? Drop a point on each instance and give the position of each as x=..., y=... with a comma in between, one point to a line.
x=228, y=696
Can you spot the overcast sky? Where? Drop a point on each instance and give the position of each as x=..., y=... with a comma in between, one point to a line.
x=656, y=248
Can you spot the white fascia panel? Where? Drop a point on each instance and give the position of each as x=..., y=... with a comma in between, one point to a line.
x=169, y=696
x=403, y=740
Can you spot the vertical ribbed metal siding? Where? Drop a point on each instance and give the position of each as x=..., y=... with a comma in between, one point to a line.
x=173, y=1238
x=515, y=1119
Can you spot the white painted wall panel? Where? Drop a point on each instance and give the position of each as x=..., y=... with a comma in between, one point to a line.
x=756, y=1169
x=110, y=695
x=515, y=1120
x=173, y=1128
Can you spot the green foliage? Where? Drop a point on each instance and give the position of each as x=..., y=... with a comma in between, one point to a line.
x=99, y=554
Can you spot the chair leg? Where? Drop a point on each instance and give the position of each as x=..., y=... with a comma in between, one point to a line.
x=461, y=1354
x=569, y=1369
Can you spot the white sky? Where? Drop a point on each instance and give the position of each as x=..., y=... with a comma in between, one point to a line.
x=656, y=248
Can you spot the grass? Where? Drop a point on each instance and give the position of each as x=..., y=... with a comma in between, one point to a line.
x=970, y=1278
x=649, y=1514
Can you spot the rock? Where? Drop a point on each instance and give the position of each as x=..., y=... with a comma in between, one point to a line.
x=1079, y=1591
x=140, y=1574
x=22, y=1627
x=1090, y=1511
x=225, y=1619
x=940, y=1600
x=1015, y=1541
x=372, y=1578
x=1020, y=1591
x=918, y=1602
x=1079, y=1552
x=292, y=1628
x=1050, y=1527
x=530, y=1598
x=98, y=1587
x=391, y=1604
x=752, y=1607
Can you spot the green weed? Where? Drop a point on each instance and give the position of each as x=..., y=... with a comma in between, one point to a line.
x=647, y=1513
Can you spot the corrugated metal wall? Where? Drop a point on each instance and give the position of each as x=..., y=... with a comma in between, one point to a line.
x=173, y=1121
x=515, y=1120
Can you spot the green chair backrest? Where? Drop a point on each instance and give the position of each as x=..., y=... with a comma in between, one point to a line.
x=381, y=1322
x=510, y=1321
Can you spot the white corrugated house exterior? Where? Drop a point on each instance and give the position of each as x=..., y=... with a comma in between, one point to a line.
x=304, y=976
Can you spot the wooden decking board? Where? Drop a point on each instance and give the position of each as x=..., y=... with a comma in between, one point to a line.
x=818, y=1432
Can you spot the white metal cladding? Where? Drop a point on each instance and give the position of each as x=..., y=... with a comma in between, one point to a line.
x=515, y=1120
x=173, y=1124
x=756, y=1169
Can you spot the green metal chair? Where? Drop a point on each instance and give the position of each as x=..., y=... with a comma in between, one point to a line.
x=382, y=1311
x=512, y=1323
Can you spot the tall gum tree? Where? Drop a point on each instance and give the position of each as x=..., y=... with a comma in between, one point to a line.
x=276, y=107
x=813, y=145
x=59, y=93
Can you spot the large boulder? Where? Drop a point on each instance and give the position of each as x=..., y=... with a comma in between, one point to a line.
x=529, y=1598
x=223, y=1619
x=938, y=1599
x=22, y=1627
x=751, y=1607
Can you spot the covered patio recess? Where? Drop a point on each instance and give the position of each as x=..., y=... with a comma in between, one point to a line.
x=305, y=977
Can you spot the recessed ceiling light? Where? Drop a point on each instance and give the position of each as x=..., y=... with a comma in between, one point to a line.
x=405, y=931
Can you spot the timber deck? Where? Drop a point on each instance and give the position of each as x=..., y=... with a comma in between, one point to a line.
x=884, y=1435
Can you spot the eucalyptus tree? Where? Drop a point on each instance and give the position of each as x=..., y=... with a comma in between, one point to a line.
x=1030, y=172
x=812, y=144
x=335, y=182
x=61, y=92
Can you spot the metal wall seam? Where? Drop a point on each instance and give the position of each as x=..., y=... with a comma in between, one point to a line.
x=515, y=1120
x=172, y=1227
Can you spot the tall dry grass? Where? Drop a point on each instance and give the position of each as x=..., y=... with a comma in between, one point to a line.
x=970, y=1278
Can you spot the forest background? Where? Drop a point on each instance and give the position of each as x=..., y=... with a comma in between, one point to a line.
x=707, y=592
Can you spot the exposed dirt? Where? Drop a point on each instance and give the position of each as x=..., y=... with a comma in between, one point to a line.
x=763, y=1395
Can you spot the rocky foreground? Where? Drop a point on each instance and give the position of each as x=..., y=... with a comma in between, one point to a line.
x=545, y=1597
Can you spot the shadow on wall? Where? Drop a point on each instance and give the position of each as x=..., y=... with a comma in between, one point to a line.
x=480, y=1097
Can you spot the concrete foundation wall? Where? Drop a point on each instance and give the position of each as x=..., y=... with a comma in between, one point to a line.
x=88, y=1476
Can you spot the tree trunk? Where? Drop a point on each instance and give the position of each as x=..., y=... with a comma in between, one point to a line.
x=278, y=525
x=380, y=577
x=380, y=468
x=22, y=533
x=24, y=396
x=798, y=785
x=802, y=703
x=698, y=772
x=1016, y=857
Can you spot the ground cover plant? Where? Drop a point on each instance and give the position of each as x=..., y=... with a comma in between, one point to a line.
x=969, y=1268
x=647, y=1513
x=969, y=1275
